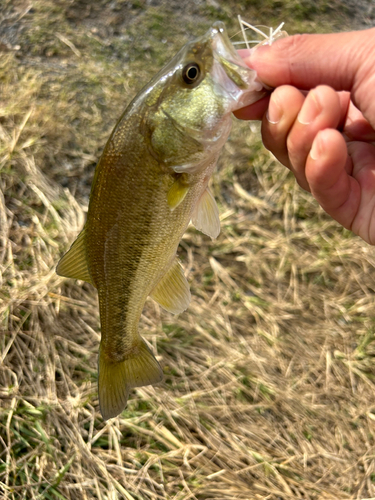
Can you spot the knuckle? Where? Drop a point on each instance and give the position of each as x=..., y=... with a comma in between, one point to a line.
x=295, y=51
x=294, y=45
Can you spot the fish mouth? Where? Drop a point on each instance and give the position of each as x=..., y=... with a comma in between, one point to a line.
x=231, y=74
x=221, y=44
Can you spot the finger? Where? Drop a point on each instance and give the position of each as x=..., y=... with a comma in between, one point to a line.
x=342, y=60
x=356, y=127
x=320, y=110
x=327, y=168
x=363, y=157
x=284, y=106
x=254, y=111
x=306, y=61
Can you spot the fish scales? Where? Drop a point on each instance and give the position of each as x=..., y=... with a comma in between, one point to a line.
x=148, y=238
x=150, y=183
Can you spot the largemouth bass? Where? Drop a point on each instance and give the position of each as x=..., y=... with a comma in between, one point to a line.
x=150, y=182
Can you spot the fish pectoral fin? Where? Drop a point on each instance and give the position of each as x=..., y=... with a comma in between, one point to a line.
x=177, y=193
x=73, y=264
x=173, y=291
x=205, y=217
x=116, y=379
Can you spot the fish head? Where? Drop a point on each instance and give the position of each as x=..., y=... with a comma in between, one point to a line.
x=191, y=100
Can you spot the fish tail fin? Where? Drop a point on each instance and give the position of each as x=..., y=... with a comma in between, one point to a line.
x=116, y=379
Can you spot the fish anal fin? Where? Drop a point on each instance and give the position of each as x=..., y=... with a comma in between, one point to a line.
x=205, y=217
x=177, y=191
x=73, y=264
x=173, y=291
x=116, y=379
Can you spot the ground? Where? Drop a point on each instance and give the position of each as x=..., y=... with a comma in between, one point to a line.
x=269, y=379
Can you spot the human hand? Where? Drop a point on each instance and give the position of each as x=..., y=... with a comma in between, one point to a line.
x=320, y=119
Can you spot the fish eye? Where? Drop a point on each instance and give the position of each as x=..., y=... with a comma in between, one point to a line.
x=190, y=73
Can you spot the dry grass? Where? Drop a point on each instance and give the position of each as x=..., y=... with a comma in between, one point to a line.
x=269, y=375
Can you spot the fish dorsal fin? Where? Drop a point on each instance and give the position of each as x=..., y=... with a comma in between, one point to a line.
x=173, y=291
x=205, y=217
x=177, y=192
x=73, y=264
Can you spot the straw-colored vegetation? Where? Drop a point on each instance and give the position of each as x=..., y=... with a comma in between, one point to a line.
x=269, y=375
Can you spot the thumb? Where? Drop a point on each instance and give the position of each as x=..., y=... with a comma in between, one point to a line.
x=344, y=61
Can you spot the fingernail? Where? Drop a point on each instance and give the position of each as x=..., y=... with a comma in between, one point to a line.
x=310, y=109
x=273, y=112
x=316, y=148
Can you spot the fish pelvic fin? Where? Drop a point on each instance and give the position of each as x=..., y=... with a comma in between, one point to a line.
x=205, y=217
x=116, y=379
x=74, y=264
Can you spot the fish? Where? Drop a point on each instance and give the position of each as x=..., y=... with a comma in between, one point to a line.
x=149, y=184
